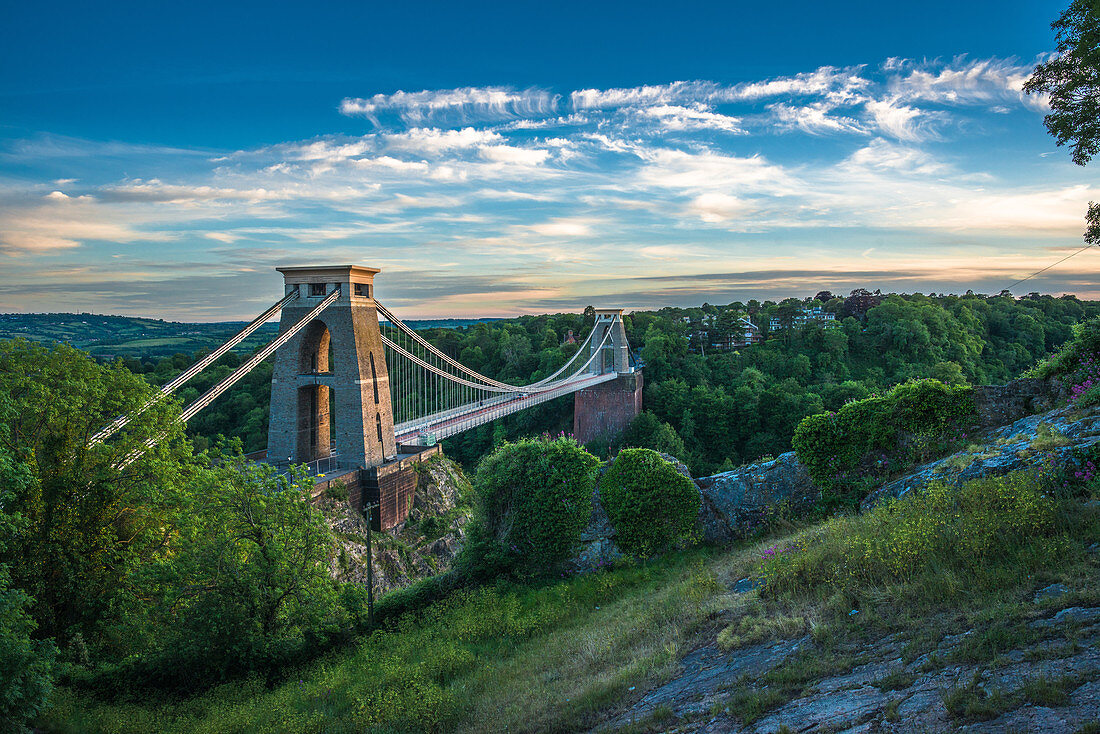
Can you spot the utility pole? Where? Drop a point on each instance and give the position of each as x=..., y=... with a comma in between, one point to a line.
x=369, y=512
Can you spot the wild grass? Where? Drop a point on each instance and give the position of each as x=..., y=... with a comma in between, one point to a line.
x=560, y=656
x=495, y=659
x=1047, y=437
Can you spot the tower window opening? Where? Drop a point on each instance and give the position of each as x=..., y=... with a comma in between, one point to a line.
x=317, y=289
x=362, y=289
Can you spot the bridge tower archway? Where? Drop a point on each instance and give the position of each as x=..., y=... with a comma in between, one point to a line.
x=335, y=365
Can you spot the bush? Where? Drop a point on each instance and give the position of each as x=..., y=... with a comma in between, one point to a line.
x=534, y=498
x=967, y=529
x=651, y=505
x=1075, y=354
x=337, y=491
x=848, y=451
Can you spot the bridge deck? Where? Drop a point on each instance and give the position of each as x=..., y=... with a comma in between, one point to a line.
x=435, y=427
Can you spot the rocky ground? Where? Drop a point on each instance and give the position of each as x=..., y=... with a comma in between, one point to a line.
x=423, y=546
x=1049, y=681
x=1033, y=668
x=1031, y=442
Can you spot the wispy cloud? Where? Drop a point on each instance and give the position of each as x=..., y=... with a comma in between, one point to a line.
x=767, y=184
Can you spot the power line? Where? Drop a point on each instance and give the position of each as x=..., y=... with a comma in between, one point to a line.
x=1048, y=267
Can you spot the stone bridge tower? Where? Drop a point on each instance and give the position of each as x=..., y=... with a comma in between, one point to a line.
x=605, y=410
x=332, y=371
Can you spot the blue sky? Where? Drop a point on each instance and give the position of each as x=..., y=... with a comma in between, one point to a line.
x=497, y=159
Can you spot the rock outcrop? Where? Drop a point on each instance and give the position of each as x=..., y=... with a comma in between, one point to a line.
x=424, y=545
x=1000, y=405
x=1028, y=443
x=737, y=502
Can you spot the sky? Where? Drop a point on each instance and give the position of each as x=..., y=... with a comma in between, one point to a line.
x=496, y=159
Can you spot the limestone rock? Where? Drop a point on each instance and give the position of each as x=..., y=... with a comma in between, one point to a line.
x=999, y=405
x=404, y=554
x=736, y=502
x=1026, y=443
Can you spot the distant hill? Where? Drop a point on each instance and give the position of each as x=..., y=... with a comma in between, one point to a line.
x=107, y=337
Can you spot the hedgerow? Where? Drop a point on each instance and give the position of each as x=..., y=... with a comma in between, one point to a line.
x=651, y=505
x=534, y=498
x=848, y=451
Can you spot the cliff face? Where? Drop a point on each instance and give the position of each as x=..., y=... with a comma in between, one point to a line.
x=423, y=546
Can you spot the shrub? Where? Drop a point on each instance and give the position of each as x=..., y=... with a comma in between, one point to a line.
x=534, y=498
x=1075, y=355
x=848, y=451
x=968, y=528
x=337, y=491
x=651, y=505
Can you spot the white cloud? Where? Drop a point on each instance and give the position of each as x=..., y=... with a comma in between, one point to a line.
x=695, y=117
x=435, y=141
x=513, y=155
x=563, y=227
x=814, y=119
x=708, y=171
x=881, y=155
x=897, y=120
x=963, y=82
x=465, y=103
x=715, y=207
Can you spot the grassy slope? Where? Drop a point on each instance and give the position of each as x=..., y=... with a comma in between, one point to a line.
x=561, y=656
x=515, y=659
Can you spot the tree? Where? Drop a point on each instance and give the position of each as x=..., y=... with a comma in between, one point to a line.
x=26, y=665
x=1072, y=81
x=248, y=588
x=88, y=523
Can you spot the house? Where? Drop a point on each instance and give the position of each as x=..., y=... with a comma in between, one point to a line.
x=708, y=336
x=815, y=314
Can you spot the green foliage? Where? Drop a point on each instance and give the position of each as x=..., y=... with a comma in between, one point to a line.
x=534, y=498
x=1074, y=353
x=652, y=506
x=965, y=529
x=1071, y=79
x=648, y=432
x=847, y=451
x=87, y=524
x=337, y=491
x=26, y=665
x=477, y=660
x=248, y=588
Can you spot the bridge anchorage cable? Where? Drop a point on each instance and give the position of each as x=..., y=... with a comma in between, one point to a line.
x=169, y=388
x=210, y=395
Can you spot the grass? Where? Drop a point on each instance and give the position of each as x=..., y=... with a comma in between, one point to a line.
x=758, y=627
x=971, y=702
x=564, y=656
x=1047, y=438
x=496, y=659
x=895, y=681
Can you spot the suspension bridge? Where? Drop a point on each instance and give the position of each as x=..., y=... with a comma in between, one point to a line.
x=357, y=395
